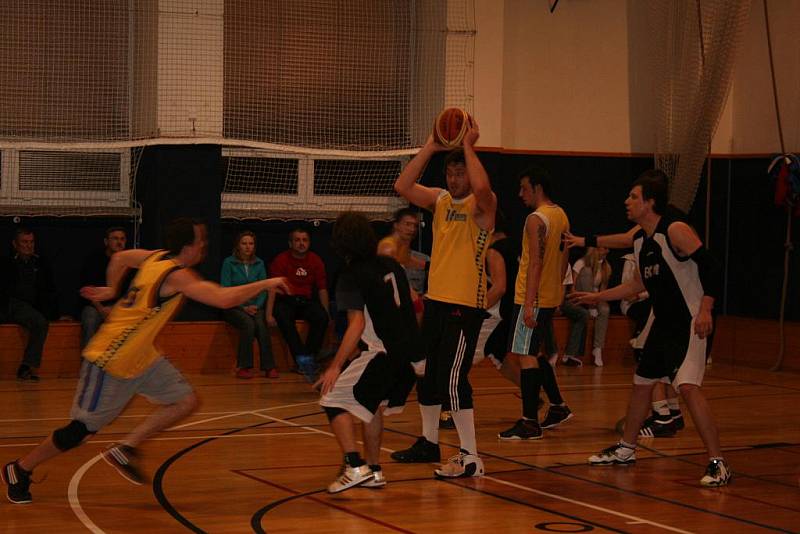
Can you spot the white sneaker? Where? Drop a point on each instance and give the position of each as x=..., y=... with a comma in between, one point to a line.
x=598, y=357
x=376, y=482
x=461, y=465
x=616, y=454
x=350, y=477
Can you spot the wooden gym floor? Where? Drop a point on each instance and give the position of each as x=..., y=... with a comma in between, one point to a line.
x=258, y=454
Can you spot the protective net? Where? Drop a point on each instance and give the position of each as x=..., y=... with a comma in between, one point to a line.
x=694, y=49
x=317, y=103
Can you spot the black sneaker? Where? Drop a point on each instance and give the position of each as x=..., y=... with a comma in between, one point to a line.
x=658, y=428
x=523, y=429
x=19, y=482
x=677, y=417
x=421, y=452
x=123, y=459
x=446, y=421
x=556, y=415
x=25, y=373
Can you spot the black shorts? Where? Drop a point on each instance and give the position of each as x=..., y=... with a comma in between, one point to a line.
x=672, y=353
x=450, y=334
x=372, y=380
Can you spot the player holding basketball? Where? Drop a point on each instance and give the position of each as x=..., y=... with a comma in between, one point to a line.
x=463, y=220
x=374, y=291
x=121, y=359
x=682, y=280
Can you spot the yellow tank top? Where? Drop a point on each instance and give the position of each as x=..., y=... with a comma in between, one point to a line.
x=402, y=253
x=551, y=288
x=457, y=273
x=124, y=344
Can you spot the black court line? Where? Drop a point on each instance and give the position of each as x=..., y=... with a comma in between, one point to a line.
x=256, y=520
x=611, y=486
x=158, y=478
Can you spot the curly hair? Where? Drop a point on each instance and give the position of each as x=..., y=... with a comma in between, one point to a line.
x=353, y=237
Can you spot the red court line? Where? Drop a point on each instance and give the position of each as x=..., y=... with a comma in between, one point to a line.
x=325, y=503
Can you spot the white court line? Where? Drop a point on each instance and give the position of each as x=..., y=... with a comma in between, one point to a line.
x=176, y=438
x=74, y=483
x=633, y=518
x=236, y=414
x=131, y=416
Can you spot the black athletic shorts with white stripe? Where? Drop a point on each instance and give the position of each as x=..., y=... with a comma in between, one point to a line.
x=449, y=334
x=372, y=380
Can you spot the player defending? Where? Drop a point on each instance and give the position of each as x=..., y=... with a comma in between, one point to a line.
x=463, y=220
x=682, y=280
x=538, y=292
x=374, y=291
x=121, y=359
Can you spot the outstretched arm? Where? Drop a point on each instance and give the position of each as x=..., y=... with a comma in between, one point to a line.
x=406, y=184
x=634, y=285
x=606, y=241
x=117, y=267
x=189, y=283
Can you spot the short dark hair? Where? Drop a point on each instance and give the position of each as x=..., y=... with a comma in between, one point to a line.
x=540, y=176
x=301, y=229
x=179, y=233
x=113, y=229
x=404, y=212
x=22, y=230
x=655, y=186
x=454, y=157
x=353, y=237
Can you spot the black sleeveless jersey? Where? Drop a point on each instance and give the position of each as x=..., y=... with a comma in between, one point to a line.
x=671, y=280
x=378, y=286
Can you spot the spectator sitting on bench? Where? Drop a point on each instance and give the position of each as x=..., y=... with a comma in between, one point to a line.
x=93, y=273
x=591, y=274
x=240, y=268
x=28, y=298
x=306, y=274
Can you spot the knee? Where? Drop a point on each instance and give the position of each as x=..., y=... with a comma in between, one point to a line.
x=189, y=403
x=70, y=436
x=687, y=390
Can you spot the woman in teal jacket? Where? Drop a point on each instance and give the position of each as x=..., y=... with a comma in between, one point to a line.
x=243, y=267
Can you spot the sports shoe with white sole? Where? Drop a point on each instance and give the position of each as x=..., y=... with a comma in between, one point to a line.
x=618, y=454
x=19, y=482
x=378, y=481
x=461, y=465
x=717, y=474
x=351, y=477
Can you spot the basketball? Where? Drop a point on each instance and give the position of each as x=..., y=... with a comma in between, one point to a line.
x=451, y=126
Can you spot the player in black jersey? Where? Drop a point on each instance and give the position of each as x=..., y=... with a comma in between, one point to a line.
x=682, y=280
x=380, y=318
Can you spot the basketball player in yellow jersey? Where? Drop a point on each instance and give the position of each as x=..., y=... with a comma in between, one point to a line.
x=538, y=292
x=121, y=359
x=463, y=220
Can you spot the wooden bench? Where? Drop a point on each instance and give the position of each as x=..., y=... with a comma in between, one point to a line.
x=194, y=347
x=210, y=346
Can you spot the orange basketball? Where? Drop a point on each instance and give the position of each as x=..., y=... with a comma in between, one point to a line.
x=451, y=126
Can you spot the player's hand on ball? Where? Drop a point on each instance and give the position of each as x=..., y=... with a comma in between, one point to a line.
x=327, y=380
x=279, y=285
x=472, y=135
x=432, y=145
x=703, y=324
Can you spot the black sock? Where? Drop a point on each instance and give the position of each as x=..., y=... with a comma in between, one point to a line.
x=353, y=459
x=375, y=468
x=549, y=381
x=530, y=382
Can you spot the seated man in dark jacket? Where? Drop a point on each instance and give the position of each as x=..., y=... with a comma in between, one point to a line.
x=27, y=298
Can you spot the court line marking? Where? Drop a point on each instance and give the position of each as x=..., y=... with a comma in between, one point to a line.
x=75, y=481
x=511, y=484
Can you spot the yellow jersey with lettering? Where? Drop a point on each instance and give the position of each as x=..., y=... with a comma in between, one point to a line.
x=457, y=271
x=124, y=346
x=402, y=253
x=551, y=287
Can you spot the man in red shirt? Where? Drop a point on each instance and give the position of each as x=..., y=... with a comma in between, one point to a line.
x=305, y=273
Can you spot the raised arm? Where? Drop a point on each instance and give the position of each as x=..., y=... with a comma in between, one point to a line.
x=497, y=270
x=406, y=184
x=479, y=181
x=189, y=283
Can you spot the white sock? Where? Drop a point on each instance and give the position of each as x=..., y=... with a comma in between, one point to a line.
x=465, y=426
x=661, y=407
x=430, y=421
